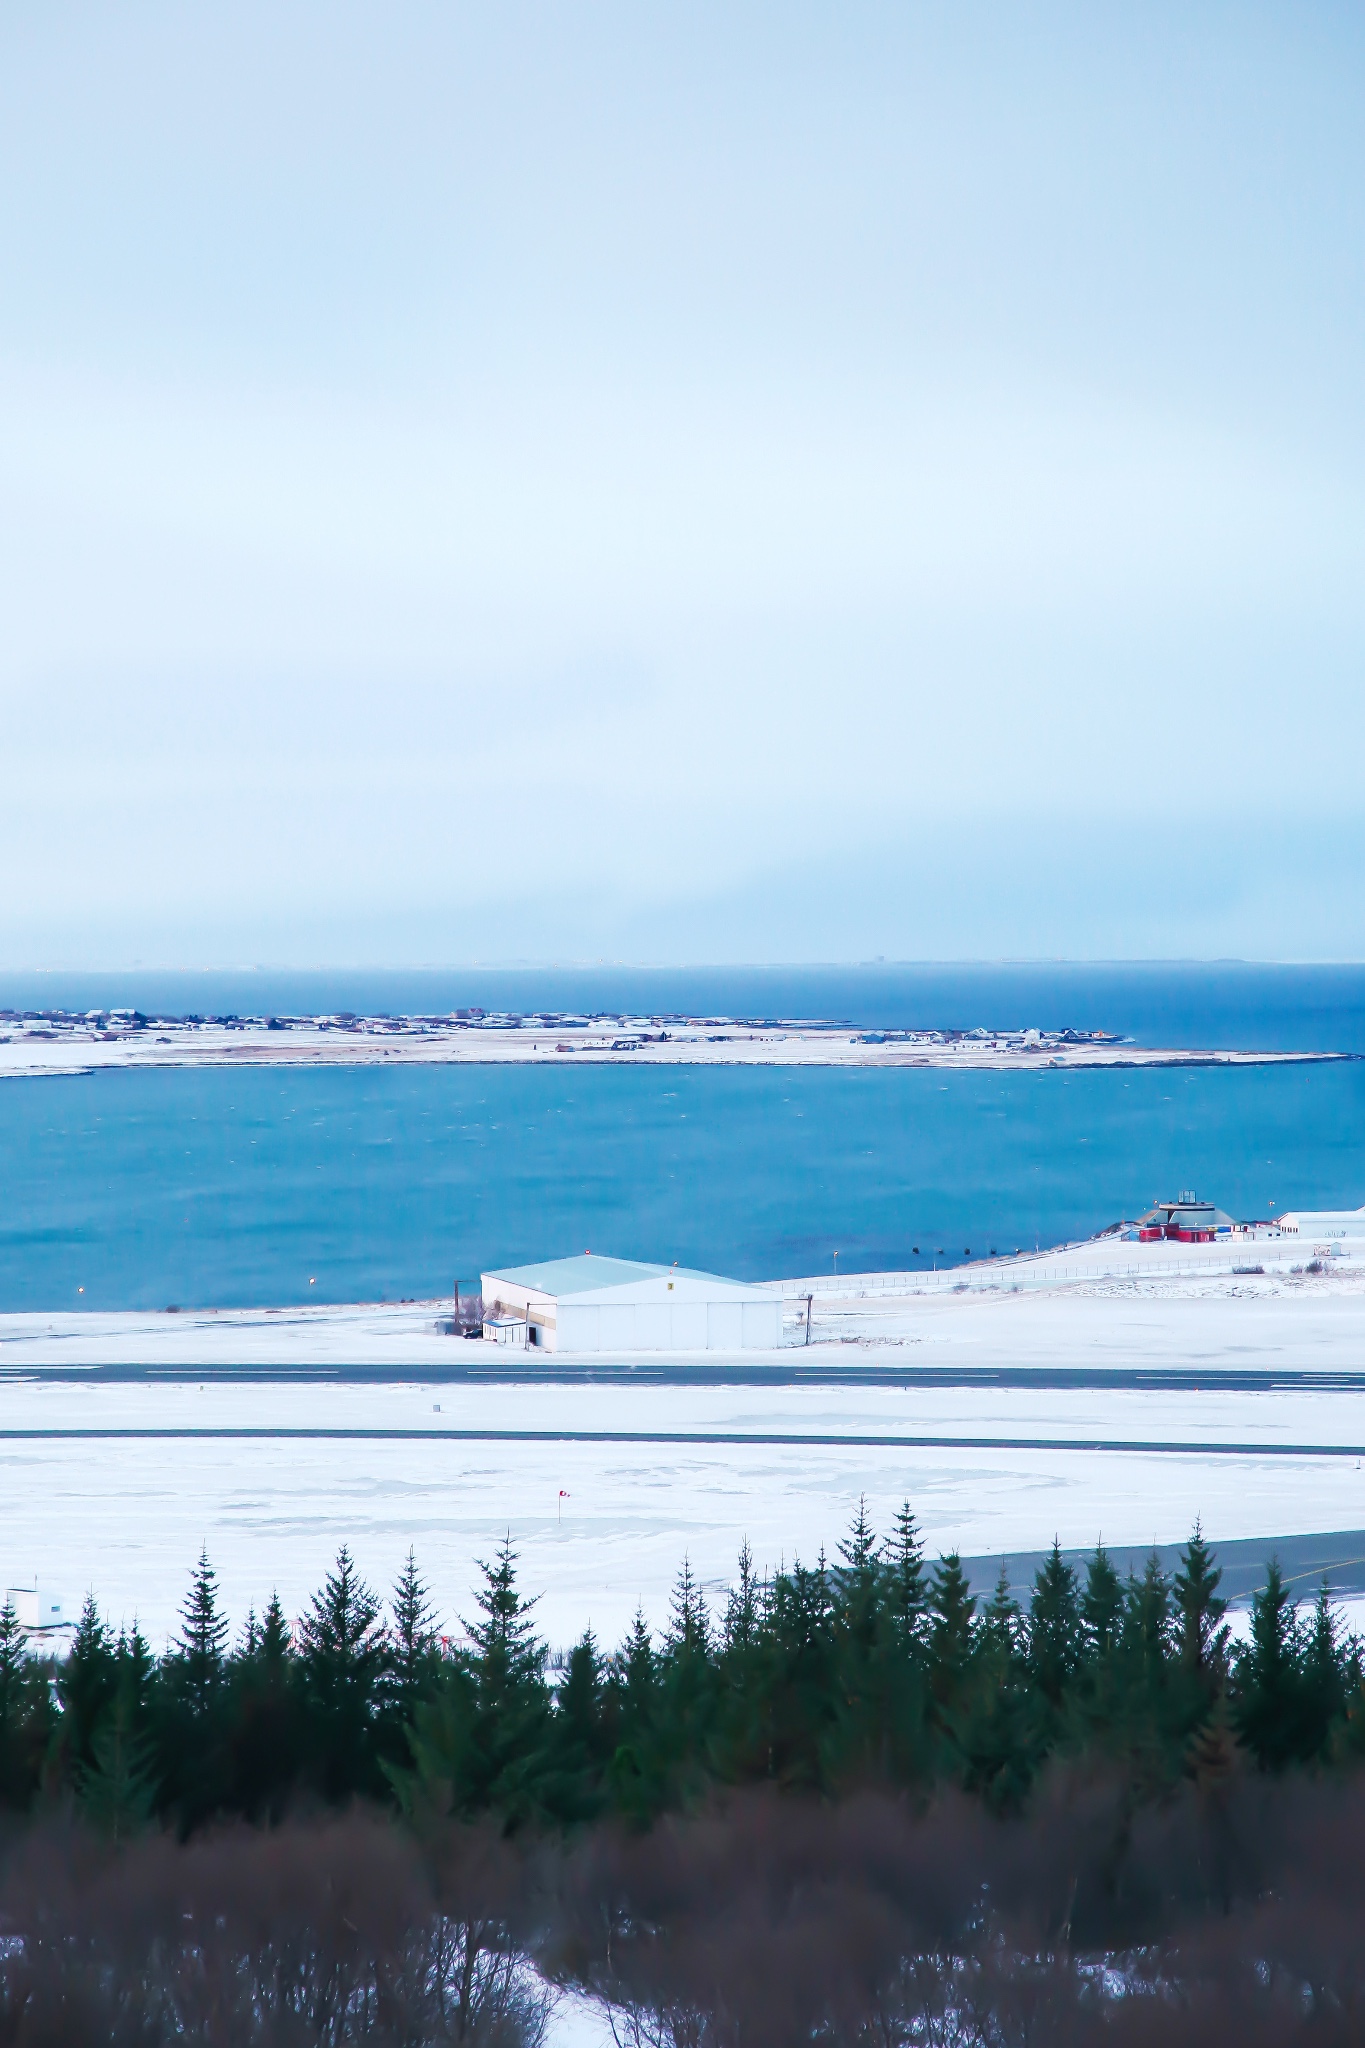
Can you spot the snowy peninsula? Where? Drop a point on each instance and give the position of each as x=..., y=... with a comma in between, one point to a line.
x=67, y=1042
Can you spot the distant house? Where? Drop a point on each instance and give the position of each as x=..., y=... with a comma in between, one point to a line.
x=601, y=1304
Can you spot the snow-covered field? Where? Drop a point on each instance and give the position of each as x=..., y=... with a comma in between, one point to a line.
x=114, y=1485
x=603, y=1525
x=1104, y=1305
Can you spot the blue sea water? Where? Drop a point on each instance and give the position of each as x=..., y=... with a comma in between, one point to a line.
x=189, y=1187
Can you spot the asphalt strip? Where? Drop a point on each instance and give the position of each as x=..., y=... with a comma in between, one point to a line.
x=786, y=1439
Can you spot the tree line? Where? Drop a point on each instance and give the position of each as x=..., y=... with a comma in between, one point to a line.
x=871, y=1670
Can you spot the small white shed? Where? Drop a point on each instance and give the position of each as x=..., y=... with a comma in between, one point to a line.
x=597, y=1304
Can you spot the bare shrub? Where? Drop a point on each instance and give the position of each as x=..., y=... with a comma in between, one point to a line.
x=327, y=1936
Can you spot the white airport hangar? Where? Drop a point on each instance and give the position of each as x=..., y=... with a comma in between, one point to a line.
x=597, y=1304
x=1323, y=1223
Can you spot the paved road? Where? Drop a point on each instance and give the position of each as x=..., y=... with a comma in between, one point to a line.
x=1304, y=1560
x=1142, y=1378
x=787, y=1438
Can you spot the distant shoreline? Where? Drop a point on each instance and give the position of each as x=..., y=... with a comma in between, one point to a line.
x=66, y=1043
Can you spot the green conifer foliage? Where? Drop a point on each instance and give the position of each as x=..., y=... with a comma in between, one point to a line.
x=25, y=1715
x=1326, y=1679
x=582, y=1739
x=1004, y=1636
x=907, y=1585
x=634, y=1773
x=1269, y=1678
x=1202, y=1640
x=1054, y=1627
x=118, y=1787
x=822, y=1678
x=343, y=1658
x=197, y=1662
x=1101, y=1607
x=483, y=1740
x=266, y=1733
x=415, y=1650
x=86, y=1685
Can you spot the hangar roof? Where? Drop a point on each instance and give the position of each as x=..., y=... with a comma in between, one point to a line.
x=590, y=1274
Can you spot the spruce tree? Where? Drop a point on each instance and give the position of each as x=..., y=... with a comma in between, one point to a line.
x=275, y=1643
x=907, y=1585
x=952, y=1628
x=1101, y=1606
x=1269, y=1698
x=993, y=1728
x=265, y=1741
x=739, y=1631
x=689, y=1631
x=343, y=1655
x=1054, y=1627
x=482, y=1740
x=635, y=1773
x=415, y=1651
x=1003, y=1635
x=86, y=1683
x=118, y=1786
x=1201, y=1639
x=23, y=1698
x=1326, y=1678
x=197, y=1663
x=581, y=1741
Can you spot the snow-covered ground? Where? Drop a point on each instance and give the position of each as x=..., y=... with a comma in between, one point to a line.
x=74, y=1045
x=1103, y=1305
x=603, y=1525
x=604, y=1485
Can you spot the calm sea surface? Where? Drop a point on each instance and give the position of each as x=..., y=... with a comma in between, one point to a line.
x=195, y=1188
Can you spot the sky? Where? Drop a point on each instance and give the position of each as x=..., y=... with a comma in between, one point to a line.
x=710, y=483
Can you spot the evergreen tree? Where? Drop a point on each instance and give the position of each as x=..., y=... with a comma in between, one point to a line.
x=1003, y=1635
x=1146, y=1636
x=276, y=1643
x=634, y=1772
x=118, y=1786
x=1202, y=1641
x=1326, y=1679
x=582, y=1738
x=951, y=1631
x=995, y=1728
x=907, y=1586
x=740, y=1628
x=483, y=1740
x=86, y=1684
x=24, y=1715
x=265, y=1741
x=1101, y=1607
x=343, y=1657
x=415, y=1650
x=689, y=1632
x=1054, y=1627
x=855, y=1744
x=196, y=1666
x=1213, y=1754
x=800, y=1675
x=1268, y=1675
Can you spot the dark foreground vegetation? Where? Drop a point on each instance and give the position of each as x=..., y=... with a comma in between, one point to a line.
x=854, y=1808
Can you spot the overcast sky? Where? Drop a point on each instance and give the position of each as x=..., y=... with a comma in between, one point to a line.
x=707, y=482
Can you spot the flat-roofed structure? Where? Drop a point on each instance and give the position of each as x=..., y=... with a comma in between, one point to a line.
x=601, y=1304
